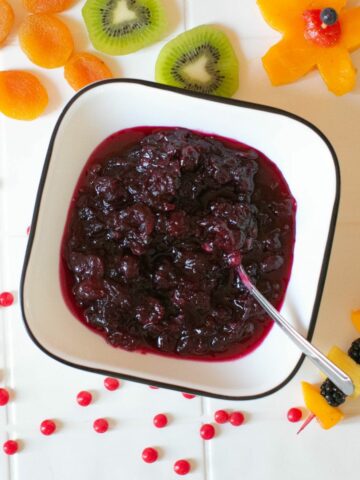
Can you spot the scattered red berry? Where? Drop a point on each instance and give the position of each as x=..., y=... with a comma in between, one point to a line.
x=188, y=395
x=153, y=388
x=101, y=425
x=160, y=420
x=111, y=383
x=207, y=431
x=236, y=419
x=221, y=416
x=4, y=397
x=149, y=455
x=6, y=299
x=181, y=467
x=84, y=398
x=47, y=427
x=294, y=415
x=10, y=447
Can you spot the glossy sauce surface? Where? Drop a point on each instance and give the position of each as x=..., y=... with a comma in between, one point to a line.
x=157, y=217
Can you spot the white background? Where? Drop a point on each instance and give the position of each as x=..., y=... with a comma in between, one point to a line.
x=266, y=447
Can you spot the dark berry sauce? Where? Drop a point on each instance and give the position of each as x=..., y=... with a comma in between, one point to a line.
x=156, y=221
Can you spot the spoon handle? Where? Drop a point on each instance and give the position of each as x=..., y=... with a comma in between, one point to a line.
x=337, y=376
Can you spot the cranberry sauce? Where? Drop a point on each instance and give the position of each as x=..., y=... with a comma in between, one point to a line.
x=157, y=218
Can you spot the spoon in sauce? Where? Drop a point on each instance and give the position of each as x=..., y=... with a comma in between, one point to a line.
x=337, y=376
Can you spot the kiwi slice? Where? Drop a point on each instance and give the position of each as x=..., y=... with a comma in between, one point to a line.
x=119, y=27
x=201, y=59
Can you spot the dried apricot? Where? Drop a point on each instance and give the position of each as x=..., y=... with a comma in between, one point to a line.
x=6, y=19
x=46, y=6
x=46, y=40
x=22, y=96
x=84, y=68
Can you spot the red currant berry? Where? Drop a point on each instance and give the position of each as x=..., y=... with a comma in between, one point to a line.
x=160, y=420
x=188, y=395
x=236, y=419
x=47, y=427
x=10, y=447
x=84, y=398
x=101, y=425
x=207, y=431
x=111, y=383
x=294, y=415
x=149, y=455
x=221, y=416
x=181, y=467
x=4, y=397
x=6, y=299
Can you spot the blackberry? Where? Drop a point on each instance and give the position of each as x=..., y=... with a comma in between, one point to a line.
x=332, y=394
x=354, y=351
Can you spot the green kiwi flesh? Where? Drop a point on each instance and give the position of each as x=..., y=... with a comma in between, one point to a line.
x=202, y=60
x=119, y=27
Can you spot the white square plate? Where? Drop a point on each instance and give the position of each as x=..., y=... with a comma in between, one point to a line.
x=302, y=153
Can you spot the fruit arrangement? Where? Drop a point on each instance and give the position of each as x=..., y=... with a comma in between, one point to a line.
x=315, y=34
x=323, y=404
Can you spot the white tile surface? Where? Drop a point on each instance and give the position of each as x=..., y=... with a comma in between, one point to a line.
x=266, y=446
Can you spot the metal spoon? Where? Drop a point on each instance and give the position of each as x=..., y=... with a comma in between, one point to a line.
x=337, y=376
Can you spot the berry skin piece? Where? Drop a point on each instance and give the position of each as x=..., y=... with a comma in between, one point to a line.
x=10, y=447
x=84, y=68
x=22, y=95
x=355, y=318
x=294, y=415
x=207, y=431
x=4, y=397
x=6, y=20
x=101, y=425
x=326, y=415
x=221, y=416
x=47, y=427
x=354, y=351
x=189, y=396
x=6, y=299
x=182, y=467
x=111, y=383
x=160, y=420
x=236, y=419
x=149, y=455
x=84, y=398
x=332, y=394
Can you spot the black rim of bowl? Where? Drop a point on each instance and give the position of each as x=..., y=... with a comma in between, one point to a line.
x=237, y=103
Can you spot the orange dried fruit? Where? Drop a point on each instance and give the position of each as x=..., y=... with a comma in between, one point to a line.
x=22, y=96
x=46, y=6
x=46, y=40
x=6, y=19
x=84, y=68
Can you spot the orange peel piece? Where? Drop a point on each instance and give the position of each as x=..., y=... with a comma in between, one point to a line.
x=46, y=40
x=46, y=6
x=294, y=55
x=6, y=20
x=84, y=68
x=22, y=95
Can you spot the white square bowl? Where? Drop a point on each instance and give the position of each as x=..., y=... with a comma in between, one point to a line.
x=302, y=153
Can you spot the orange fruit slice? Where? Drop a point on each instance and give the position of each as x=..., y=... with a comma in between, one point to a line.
x=46, y=40
x=46, y=6
x=85, y=68
x=22, y=96
x=6, y=19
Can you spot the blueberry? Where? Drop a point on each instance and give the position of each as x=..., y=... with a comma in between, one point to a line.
x=328, y=16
